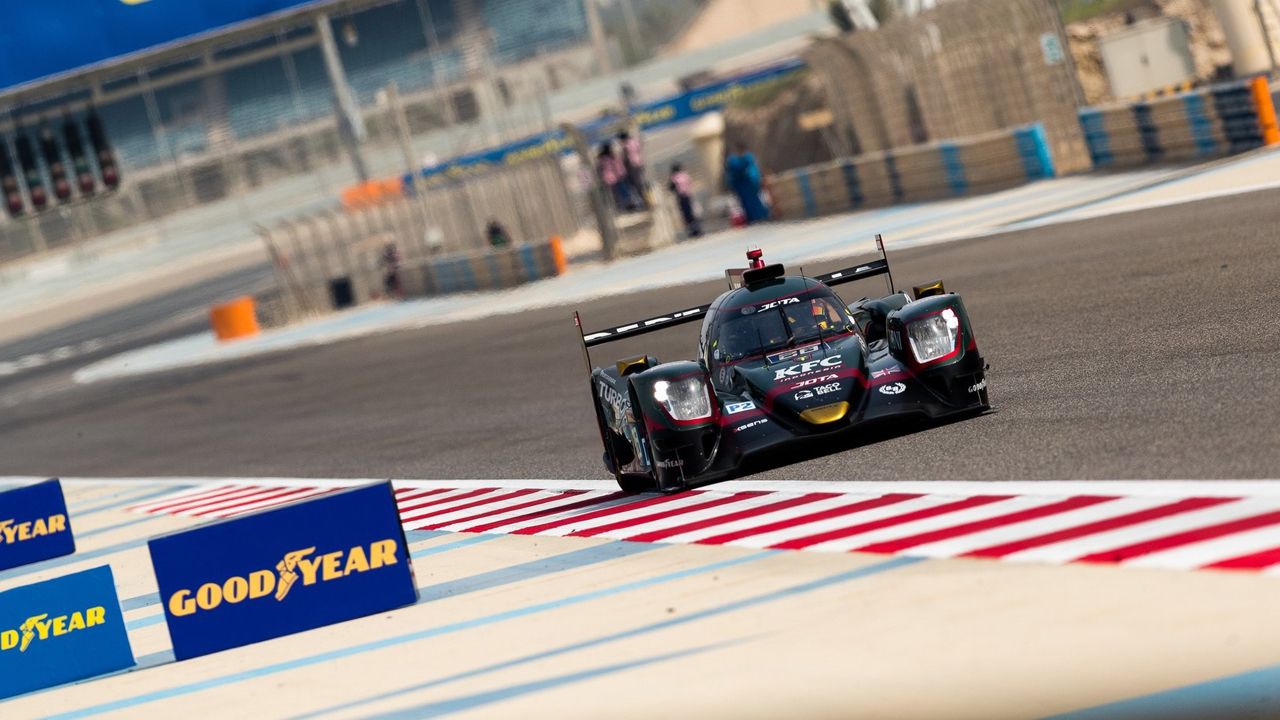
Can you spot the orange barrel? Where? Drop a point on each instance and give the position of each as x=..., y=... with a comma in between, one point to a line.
x=235, y=319
x=557, y=255
x=1266, y=111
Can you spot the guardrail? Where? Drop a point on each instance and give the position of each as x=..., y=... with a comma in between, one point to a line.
x=1206, y=122
x=925, y=172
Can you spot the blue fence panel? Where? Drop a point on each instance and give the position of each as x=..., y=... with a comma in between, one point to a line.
x=954, y=167
x=1033, y=148
x=1200, y=124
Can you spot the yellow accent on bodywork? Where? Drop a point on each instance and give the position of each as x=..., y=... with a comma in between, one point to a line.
x=825, y=414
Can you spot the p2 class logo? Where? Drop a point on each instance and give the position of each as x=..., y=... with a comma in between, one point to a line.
x=896, y=388
x=297, y=567
x=34, y=524
x=738, y=407
x=60, y=630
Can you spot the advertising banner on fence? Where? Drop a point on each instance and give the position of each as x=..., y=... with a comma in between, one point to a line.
x=297, y=567
x=56, y=631
x=34, y=524
x=649, y=116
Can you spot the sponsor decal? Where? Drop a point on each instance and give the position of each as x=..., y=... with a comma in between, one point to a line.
x=788, y=354
x=611, y=396
x=814, y=381
x=753, y=423
x=44, y=627
x=735, y=408
x=893, y=389
x=776, y=303
x=297, y=567
x=979, y=386
x=892, y=369
x=623, y=329
x=804, y=395
x=60, y=630
x=806, y=367
x=827, y=389
x=34, y=524
x=671, y=463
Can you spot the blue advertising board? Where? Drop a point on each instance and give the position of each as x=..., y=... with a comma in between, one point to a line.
x=649, y=116
x=276, y=572
x=64, y=629
x=34, y=525
x=49, y=37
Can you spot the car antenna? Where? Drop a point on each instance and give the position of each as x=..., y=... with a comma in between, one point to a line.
x=822, y=340
x=760, y=344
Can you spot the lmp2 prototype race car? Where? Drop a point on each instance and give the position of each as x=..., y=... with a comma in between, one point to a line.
x=781, y=359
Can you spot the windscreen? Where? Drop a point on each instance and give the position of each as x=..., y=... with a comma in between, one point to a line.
x=756, y=332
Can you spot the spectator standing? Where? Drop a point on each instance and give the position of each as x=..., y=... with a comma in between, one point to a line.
x=682, y=185
x=742, y=175
x=614, y=176
x=391, y=271
x=633, y=163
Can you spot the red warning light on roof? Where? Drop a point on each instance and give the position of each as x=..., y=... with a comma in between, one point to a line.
x=756, y=256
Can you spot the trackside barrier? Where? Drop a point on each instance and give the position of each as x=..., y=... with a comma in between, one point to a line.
x=60, y=630
x=1207, y=122
x=277, y=572
x=34, y=524
x=924, y=172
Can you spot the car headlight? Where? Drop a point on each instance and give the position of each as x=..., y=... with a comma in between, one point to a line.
x=684, y=399
x=935, y=336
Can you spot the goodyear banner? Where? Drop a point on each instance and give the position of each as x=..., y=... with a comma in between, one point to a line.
x=302, y=566
x=649, y=116
x=56, y=631
x=34, y=524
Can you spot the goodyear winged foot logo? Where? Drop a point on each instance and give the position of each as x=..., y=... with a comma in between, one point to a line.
x=43, y=627
x=296, y=566
x=13, y=532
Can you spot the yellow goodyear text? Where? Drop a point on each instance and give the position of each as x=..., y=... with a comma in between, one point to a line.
x=42, y=627
x=12, y=532
x=297, y=566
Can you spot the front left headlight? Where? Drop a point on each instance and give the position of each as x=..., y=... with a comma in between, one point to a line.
x=685, y=400
x=935, y=336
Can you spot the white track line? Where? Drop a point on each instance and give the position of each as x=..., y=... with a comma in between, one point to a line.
x=695, y=516
x=762, y=540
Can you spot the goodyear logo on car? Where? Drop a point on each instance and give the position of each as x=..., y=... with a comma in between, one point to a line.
x=33, y=524
x=297, y=567
x=60, y=630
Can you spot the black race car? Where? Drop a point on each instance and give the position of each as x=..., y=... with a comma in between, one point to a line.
x=781, y=358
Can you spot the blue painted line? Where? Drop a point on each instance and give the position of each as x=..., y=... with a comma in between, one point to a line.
x=529, y=262
x=140, y=601
x=414, y=536
x=142, y=622
x=117, y=526
x=806, y=192
x=1033, y=147
x=68, y=559
x=451, y=628
x=133, y=499
x=481, y=699
x=636, y=632
x=456, y=545
x=1253, y=694
x=532, y=569
x=954, y=167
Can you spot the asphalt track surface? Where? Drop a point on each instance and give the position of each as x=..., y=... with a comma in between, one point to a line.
x=1141, y=345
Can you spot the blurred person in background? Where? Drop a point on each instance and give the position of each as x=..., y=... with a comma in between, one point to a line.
x=391, y=271
x=682, y=185
x=497, y=234
x=742, y=175
x=614, y=176
x=633, y=163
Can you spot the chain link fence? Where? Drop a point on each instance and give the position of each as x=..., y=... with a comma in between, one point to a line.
x=962, y=69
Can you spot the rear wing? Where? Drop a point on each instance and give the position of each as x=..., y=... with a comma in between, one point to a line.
x=670, y=320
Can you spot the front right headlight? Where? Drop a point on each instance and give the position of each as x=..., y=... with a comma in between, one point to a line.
x=685, y=400
x=935, y=336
